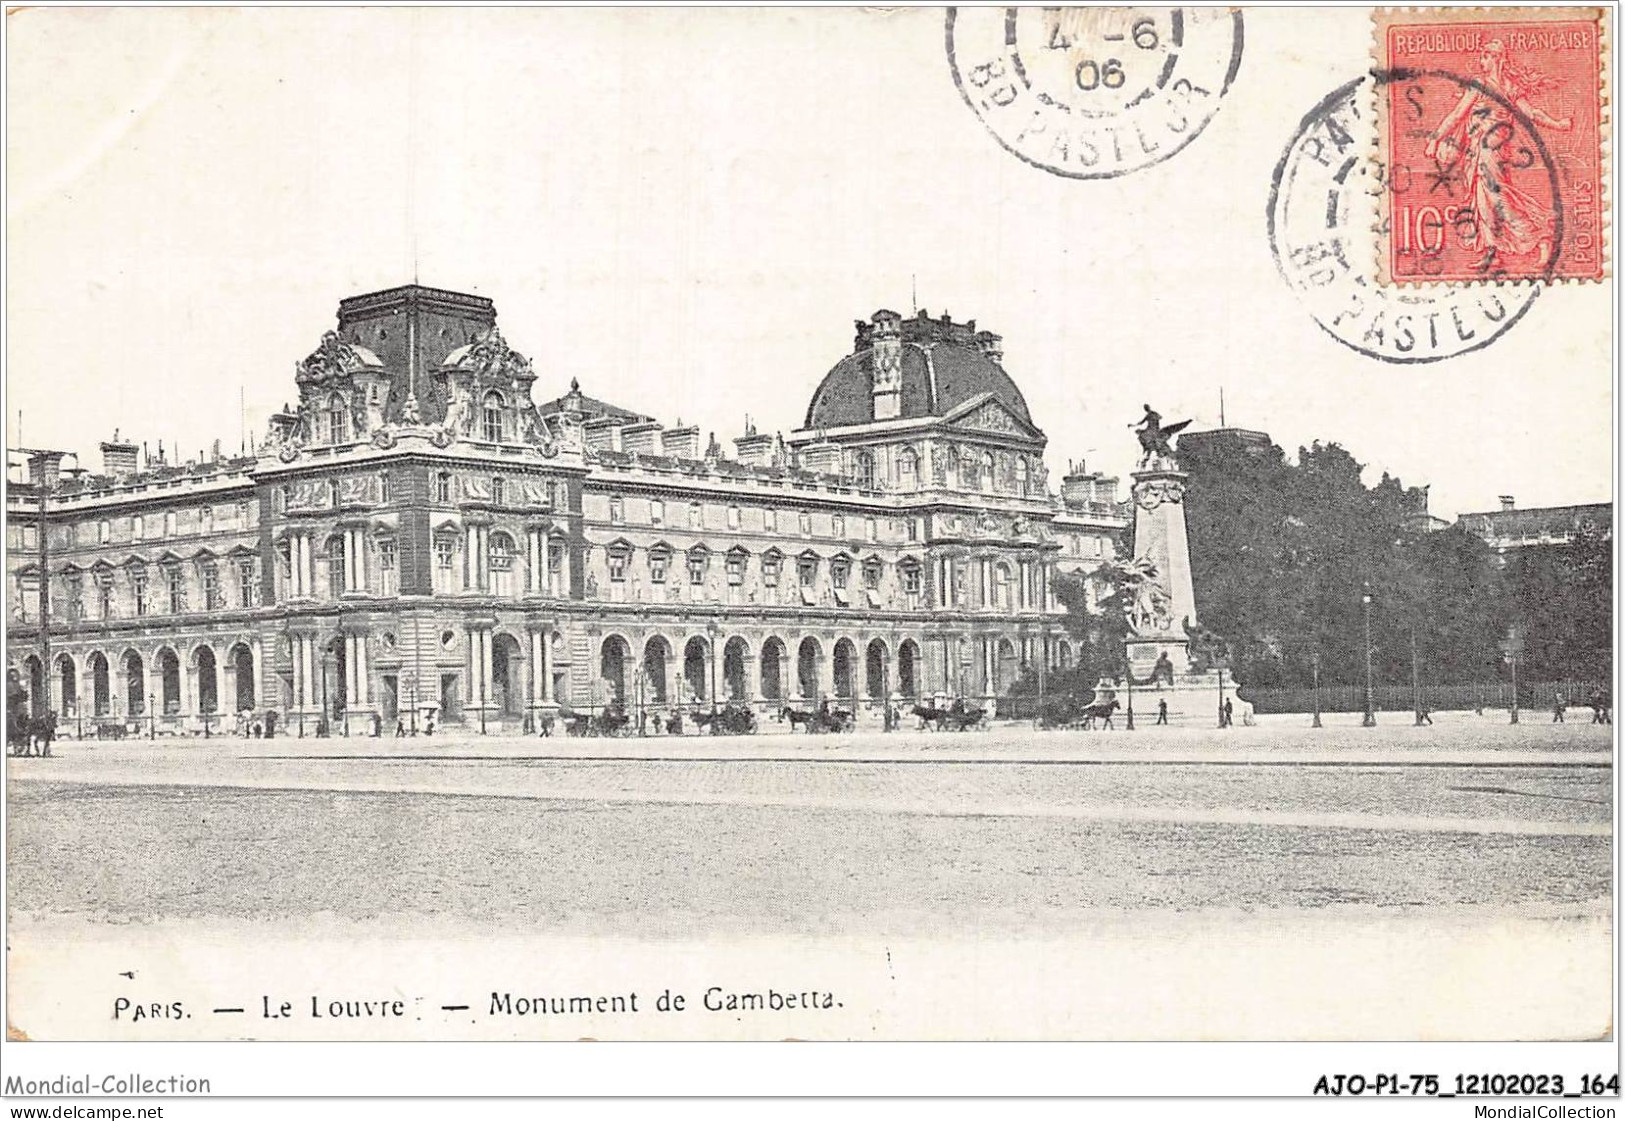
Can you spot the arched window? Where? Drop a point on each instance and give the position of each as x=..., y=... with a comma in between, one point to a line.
x=491, y=420
x=987, y=471
x=383, y=486
x=442, y=487
x=335, y=419
x=908, y=466
x=863, y=469
x=499, y=490
x=1021, y=475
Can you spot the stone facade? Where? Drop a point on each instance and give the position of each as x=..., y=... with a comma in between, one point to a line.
x=417, y=535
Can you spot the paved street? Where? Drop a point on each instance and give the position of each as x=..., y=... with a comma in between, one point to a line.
x=1002, y=831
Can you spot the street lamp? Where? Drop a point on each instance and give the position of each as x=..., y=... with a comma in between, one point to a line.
x=1314, y=669
x=1370, y=720
x=327, y=716
x=152, y=719
x=1416, y=687
x=1128, y=675
x=1513, y=646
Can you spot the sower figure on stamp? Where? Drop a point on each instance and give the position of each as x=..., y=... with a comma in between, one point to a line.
x=1505, y=219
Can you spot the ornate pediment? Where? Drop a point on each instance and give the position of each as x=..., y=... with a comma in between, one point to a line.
x=986, y=413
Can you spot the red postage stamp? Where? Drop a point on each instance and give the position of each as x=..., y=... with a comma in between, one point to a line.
x=1491, y=129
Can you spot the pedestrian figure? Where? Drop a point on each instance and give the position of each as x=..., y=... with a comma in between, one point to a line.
x=428, y=725
x=1423, y=716
x=1229, y=712
x=400, y=726
x=1162, y=710
x=1557, y=710
x=270, y=724
x=377, y=725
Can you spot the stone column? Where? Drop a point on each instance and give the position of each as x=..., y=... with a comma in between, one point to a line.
x=547, y=666
x=363, y=673
x=255, y=654
x=485, y=667
x=312, y=682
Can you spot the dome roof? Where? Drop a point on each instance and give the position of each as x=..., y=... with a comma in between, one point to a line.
x=942, y=364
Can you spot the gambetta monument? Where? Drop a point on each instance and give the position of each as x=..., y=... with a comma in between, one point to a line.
x=1161, y=600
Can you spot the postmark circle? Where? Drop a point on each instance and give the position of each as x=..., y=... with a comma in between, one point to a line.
x=1323, y=222
x=1094, y=93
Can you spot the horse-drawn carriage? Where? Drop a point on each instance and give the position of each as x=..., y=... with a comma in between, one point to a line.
x=955, y=717
x=732, y=719
x=821, y=719
x=612, y=721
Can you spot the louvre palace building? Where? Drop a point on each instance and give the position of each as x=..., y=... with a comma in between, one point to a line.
x=429, y=533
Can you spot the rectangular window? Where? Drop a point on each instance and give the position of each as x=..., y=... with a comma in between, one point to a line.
x=176, y=582
x=736, y=569
x=657, y=512
x=555, y=558
x=838, y=572
x=138, y=589
x=806, y=523
x=658, y=563
x=871, y=576
x=247, y=584
x=30, y=593
x=386, y=566
x=104, y=532
x=211, y=587
x=445, y=552
x=770, y=520
x=76, y=598
x=770, y=570
x=617, y=566
x=914, y=529
x=696, y=516
x=733, y=517
x=696, y=568
x=31, y=537
x=442, y=487
x=104, y=594
x=169, y=523
x=617, y=511
x=911, y=580
x=808, y=568
x=135, y=528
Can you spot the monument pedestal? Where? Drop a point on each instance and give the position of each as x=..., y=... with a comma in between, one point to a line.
x=1158, y=646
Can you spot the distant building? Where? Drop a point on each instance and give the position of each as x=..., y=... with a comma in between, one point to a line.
x=419, y=534
x=1255, y=442
x=1511, y=528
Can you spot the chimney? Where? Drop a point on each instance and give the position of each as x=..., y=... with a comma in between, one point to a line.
x=754, y=448
x=1080, y=488
x=602, y=434
x=45, y=468
x=682, y=443
x=1506, y=502
x=886, y=364
x=643, y=439
x=823, y=458
x=991, y=345
x=118, y=457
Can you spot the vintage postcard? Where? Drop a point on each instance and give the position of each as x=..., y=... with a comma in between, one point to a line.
x=990, y=524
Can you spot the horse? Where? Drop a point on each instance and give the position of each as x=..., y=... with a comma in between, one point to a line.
x=965, y=719
x=931, y=717
x=798, y=716
x=1100, y=712
x=31, y=735
x=730, y=720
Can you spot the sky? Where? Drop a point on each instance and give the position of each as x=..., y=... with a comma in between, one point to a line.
x=686, y=210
